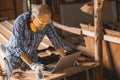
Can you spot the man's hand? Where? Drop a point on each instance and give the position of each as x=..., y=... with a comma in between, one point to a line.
x=60, y=51
x=37, y=65
x=26, y=59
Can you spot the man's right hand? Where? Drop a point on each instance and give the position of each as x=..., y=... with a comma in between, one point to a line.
x=38, y=68
x=37, y=65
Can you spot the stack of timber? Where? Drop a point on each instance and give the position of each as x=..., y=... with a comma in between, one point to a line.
x=5, y=33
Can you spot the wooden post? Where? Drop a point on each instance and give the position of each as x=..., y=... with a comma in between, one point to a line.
x=25, y=8
x=43, y=1
x=98, y=5
x=98, y=29
x=28, y=5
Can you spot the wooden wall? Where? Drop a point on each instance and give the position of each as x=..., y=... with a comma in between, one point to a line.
x=110, y=49
x=10, y=9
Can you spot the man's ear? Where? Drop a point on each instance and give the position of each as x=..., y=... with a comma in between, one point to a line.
x=33, y=17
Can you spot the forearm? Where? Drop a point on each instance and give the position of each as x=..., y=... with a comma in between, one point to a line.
x=26, y=59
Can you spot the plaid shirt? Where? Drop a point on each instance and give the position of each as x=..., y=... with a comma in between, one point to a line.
x=25, y=41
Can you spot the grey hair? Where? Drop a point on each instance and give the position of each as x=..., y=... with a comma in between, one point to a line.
x=40, y=9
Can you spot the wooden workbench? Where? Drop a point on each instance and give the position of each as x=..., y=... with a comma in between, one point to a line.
x=84, y=66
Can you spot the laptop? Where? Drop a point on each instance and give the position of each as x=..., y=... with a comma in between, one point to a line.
x=63, y=63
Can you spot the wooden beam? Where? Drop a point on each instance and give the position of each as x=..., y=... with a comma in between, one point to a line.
x=106, y=37
x=98, y=28
x=8, y=22
x=111, y=36
x=11, y=21
x=43, y=1
x=98, y=5
x=68, y=28
x=5, y=40
x=5, y=31
x=8, y=25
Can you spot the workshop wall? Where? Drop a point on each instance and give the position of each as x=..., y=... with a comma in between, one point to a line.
x=10, y=10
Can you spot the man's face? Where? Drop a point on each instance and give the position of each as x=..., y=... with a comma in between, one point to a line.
x=41, y=22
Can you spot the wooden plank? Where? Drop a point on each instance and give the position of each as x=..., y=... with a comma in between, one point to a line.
x=5, y=31
x=3, y=39
x=43, y=1
x=106, y=37
x=68, y=28
x=113, y=36
x=8, y=25
x=11, y=21
x=107, y=31
x=8, y=22
x=98, y=5
x=72, y=70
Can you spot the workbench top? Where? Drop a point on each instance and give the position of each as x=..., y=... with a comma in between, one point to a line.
x=84, y=66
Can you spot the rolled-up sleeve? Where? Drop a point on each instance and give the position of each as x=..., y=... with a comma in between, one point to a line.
x=54, y=38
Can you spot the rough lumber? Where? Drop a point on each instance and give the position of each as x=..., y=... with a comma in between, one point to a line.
x=43, y=1
x=111, y=36
x=7, y=24
x=11, y=21
x=106, y=37
x=98, y=6
x=3, y=39
x=5, y=31
x=68, y=28
x=85, y=66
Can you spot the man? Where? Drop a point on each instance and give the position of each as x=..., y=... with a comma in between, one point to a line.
x=28, y=31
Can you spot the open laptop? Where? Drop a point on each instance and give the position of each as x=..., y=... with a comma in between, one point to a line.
x=63, y=63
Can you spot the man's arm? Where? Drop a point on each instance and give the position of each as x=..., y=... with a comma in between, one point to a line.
x=60, y=51
x=26, y=59
x=56, y=41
